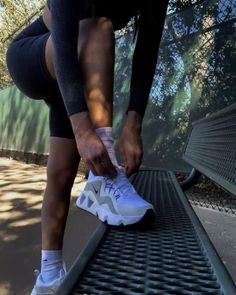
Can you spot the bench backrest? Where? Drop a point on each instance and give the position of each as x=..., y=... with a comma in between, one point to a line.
x=211, y=147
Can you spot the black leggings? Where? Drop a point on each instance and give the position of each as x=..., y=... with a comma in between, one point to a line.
x=27, y=67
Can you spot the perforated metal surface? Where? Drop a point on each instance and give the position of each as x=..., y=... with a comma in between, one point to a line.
x=167, y=257
x=212, y=147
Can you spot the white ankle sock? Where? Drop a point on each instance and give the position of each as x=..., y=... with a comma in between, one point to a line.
x=91, y=176
x=51, y=264
x=106, y=136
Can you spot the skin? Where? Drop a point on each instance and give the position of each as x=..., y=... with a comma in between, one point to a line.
x=96, y=56
x=130, y=146
x=99, y=72
x=61, y=171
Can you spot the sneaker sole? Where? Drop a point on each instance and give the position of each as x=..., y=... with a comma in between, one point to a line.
x=34, y=292
x=103, y=213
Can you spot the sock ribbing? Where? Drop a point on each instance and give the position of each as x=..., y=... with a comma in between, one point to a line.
x=105, y=134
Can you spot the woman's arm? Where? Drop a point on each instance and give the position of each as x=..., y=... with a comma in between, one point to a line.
x=65, y=16
x=151, y=25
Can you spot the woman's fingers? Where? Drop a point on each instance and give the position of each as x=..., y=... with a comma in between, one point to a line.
x=107, y=166
x=95, y=155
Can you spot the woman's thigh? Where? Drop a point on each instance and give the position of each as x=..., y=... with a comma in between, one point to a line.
x=27, y=65
x=26, y=62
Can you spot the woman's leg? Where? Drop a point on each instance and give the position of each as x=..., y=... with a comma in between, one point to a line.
x=96, y=56
x=61, y=171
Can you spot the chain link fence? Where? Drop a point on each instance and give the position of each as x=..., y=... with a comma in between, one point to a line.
x=195, y=76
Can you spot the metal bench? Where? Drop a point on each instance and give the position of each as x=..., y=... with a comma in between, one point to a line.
x=173, y=255
x=212, y=147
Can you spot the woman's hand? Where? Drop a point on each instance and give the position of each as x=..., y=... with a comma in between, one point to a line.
x=90, y=146
x=131, y=143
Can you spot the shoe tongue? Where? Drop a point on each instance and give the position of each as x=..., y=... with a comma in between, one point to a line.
x=111, y=187
x=122, y=182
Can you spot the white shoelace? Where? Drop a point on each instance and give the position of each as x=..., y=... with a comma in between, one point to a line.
x=111, y=188
x=123, y=183
x=119, y=186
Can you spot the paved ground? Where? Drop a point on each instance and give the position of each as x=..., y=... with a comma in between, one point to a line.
x=21, y=190
x=221, y=229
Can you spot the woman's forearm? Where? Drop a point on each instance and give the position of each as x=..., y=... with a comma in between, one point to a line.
x=65, y=29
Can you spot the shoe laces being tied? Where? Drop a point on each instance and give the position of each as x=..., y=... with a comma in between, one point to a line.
x=111, y=188
x=129, y=196
x=123, y=183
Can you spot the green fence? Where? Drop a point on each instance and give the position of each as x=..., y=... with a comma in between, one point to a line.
x=23, y=123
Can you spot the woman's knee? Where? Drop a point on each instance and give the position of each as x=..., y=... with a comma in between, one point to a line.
x=62, y=176
x=63, y=162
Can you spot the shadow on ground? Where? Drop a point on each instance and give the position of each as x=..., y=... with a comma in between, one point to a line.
x=21, y=191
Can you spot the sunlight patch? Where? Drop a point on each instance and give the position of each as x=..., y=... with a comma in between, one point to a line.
x=28, y=221
x=5, y=288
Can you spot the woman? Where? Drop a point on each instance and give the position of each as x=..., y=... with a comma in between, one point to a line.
x=66, y=57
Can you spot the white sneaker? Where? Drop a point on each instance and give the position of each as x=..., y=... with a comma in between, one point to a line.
x=42, y=288
x=114, y=200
